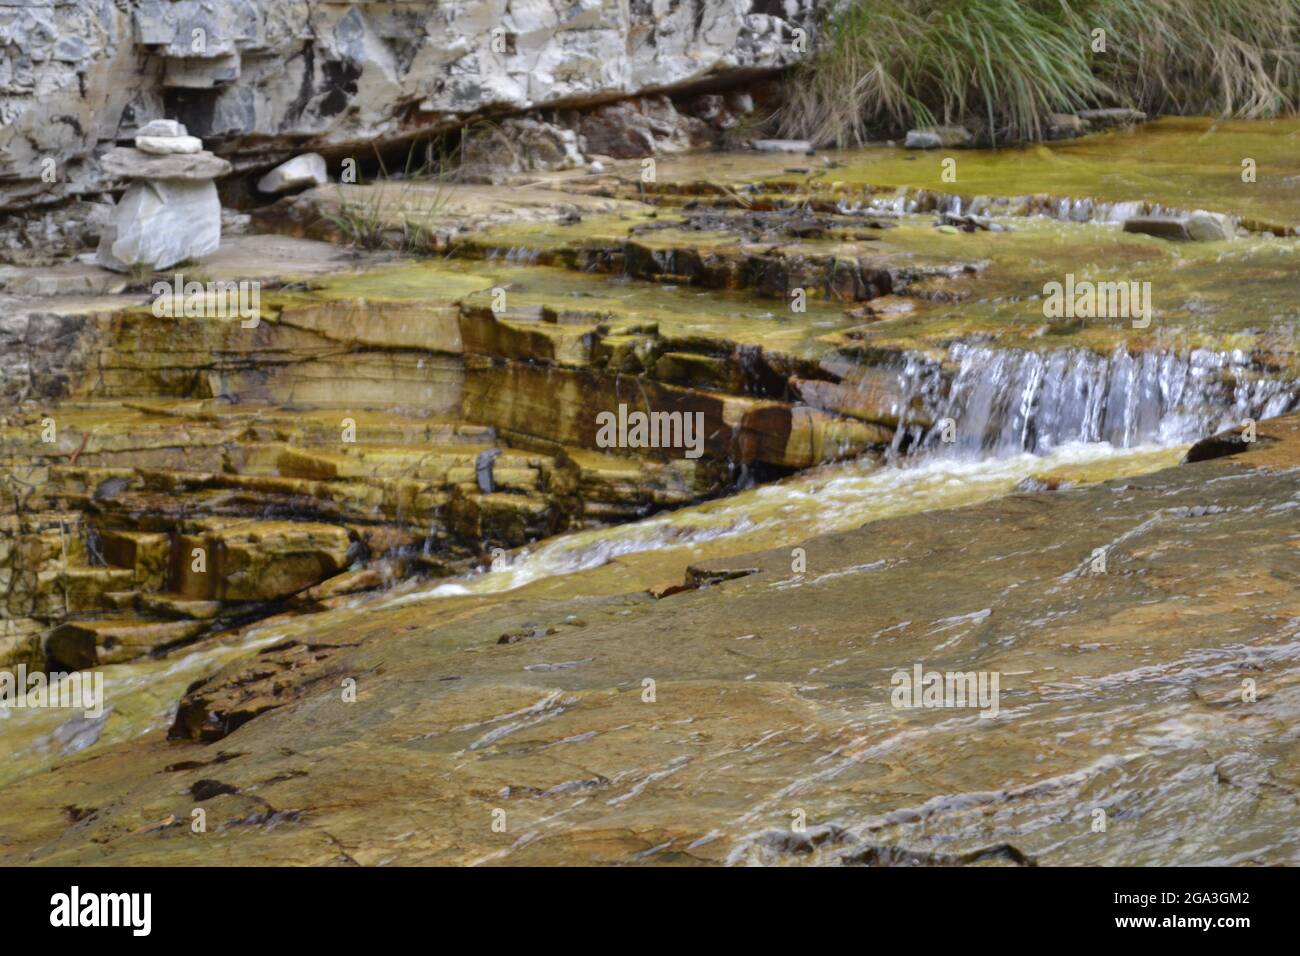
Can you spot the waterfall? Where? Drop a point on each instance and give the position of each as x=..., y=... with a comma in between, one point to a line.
x=1007, y=401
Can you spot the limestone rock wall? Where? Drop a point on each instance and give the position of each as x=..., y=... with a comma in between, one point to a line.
x=259, y=79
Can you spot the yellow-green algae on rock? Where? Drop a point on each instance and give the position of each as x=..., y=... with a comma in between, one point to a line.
x=522, y=687
x=1179, y=163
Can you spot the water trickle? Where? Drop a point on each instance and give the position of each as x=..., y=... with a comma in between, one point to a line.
x=1009, y=401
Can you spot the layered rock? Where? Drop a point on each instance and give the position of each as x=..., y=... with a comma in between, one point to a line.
x=537, y=705
x=257, y=80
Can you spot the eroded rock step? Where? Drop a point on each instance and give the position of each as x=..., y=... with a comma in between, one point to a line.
x=144, y=526
x=525, y=357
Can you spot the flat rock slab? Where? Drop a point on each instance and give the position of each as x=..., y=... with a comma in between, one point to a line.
x=169, y=145
x=1196, y=227
x=123, y=162
x=82, y=644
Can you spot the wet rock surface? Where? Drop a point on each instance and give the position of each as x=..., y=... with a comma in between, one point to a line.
x=772, y=695
x=379, y=524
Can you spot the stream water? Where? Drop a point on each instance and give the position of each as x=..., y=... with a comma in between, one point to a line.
x=1023, y=420
x=1024, y=416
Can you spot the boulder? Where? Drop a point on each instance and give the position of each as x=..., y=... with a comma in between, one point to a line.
x=518, y=145
x=631, y=129
x=169, y=145
x=160, y=223
x=77, y=645
x=1205, y=226
x=297, y=173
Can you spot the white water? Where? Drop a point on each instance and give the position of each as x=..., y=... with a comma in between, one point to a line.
x=836, y=497
x=1016, y=413
x=1009, y=401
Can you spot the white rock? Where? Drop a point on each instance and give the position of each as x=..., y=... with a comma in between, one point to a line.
x=162, y=127
x=782, y=145
x=161, y=223
x=1205, y=226
x=168, y=145
x=305, y=170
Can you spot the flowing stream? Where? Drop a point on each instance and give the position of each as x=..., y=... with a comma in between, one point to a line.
x=1022, y=419
x=1018, y=416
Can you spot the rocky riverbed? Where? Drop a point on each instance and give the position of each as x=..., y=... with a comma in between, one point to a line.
x=367, y=586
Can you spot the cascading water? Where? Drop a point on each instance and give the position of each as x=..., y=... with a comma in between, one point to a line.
x=1066, y=209
x=1015, y=414
x=1008, y=401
